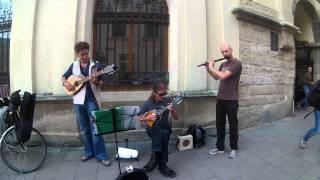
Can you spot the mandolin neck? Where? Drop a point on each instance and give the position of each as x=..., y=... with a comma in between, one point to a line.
x=90, y=77
x=164, y=109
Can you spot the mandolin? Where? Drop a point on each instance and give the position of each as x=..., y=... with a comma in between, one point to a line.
x=78, y=81
x=150, y=123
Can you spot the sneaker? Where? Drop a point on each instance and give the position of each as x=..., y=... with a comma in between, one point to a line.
x=232, y=154
x=303, y=143
x=215, y=151
x=85, y=158
x=105, y=162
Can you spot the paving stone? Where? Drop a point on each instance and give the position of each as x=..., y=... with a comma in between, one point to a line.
x=67, y=170
x=292, y=170
x=275, y=160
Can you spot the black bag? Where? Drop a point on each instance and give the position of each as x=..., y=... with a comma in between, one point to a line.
x=25, y=121
x=313, y=97
x=198, y=134
x=15, y=99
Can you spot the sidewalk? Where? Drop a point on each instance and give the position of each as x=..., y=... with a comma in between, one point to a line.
x=268, y=151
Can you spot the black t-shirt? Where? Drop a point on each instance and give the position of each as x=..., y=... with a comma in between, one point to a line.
x=150, y=105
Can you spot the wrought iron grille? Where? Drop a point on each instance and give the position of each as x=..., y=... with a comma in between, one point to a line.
x=5, y=29
x=133, y=35
x=274, y=37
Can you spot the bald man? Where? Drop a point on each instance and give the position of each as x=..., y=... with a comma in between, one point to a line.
x=227, y=99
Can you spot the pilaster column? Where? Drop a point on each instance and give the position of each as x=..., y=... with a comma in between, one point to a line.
x=22, y=44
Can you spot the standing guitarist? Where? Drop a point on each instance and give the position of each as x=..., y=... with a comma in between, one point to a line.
x=85, y=101
x=161, y=130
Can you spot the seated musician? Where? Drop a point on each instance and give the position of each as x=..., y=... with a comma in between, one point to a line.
x=161, y=130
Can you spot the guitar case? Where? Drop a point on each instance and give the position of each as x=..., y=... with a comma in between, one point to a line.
x=133, y=174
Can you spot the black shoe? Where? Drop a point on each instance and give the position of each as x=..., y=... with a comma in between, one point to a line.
x=151, y=164
x=166, y=171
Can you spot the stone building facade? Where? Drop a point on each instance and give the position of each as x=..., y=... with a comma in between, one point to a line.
x=264, y=35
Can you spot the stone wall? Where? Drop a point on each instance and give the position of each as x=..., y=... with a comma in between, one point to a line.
x=315, y=56
x=267, y=80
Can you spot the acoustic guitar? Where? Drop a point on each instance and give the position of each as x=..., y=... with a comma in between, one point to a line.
x=78, y=81
x=150, y=123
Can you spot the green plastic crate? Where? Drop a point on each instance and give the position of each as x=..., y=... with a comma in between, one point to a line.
x=104, y=123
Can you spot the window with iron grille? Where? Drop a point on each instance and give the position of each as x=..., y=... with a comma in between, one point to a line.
x=5, y=35
x=274, y=41
x=133, y=35
x=140, y=48
x=152, y=31
x=118, y=30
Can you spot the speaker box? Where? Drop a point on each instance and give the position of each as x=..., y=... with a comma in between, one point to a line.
x=185, y=142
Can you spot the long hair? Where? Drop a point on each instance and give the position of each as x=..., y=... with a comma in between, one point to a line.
x=156, y=87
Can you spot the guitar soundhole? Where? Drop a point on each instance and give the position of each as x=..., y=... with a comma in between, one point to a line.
x=76, y=83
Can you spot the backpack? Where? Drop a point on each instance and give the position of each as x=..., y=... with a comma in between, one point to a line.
x=4, y=102
x=198, y=134
x=3, y=118
x=313, y=97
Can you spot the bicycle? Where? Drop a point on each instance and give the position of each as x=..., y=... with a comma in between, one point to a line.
x=21, y=153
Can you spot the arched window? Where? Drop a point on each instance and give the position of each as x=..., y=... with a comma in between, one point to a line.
x=133, y=35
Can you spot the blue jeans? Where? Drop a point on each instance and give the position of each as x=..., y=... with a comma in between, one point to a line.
x=93, y=145
x=316, y=129
x=304, y=102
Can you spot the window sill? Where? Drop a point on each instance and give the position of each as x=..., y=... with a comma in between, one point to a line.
x=57, y=97
x=121, y=96
x=143, y=95
x=129, y=96
x=203, y=93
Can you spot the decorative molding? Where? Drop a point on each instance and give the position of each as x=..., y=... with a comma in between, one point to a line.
x=245, y=14
x=249, y=4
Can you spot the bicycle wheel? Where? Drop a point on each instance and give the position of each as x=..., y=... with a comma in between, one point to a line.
x=23, y=158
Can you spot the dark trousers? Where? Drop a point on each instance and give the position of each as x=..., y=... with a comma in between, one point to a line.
x=227, y=108
x=160, y=139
